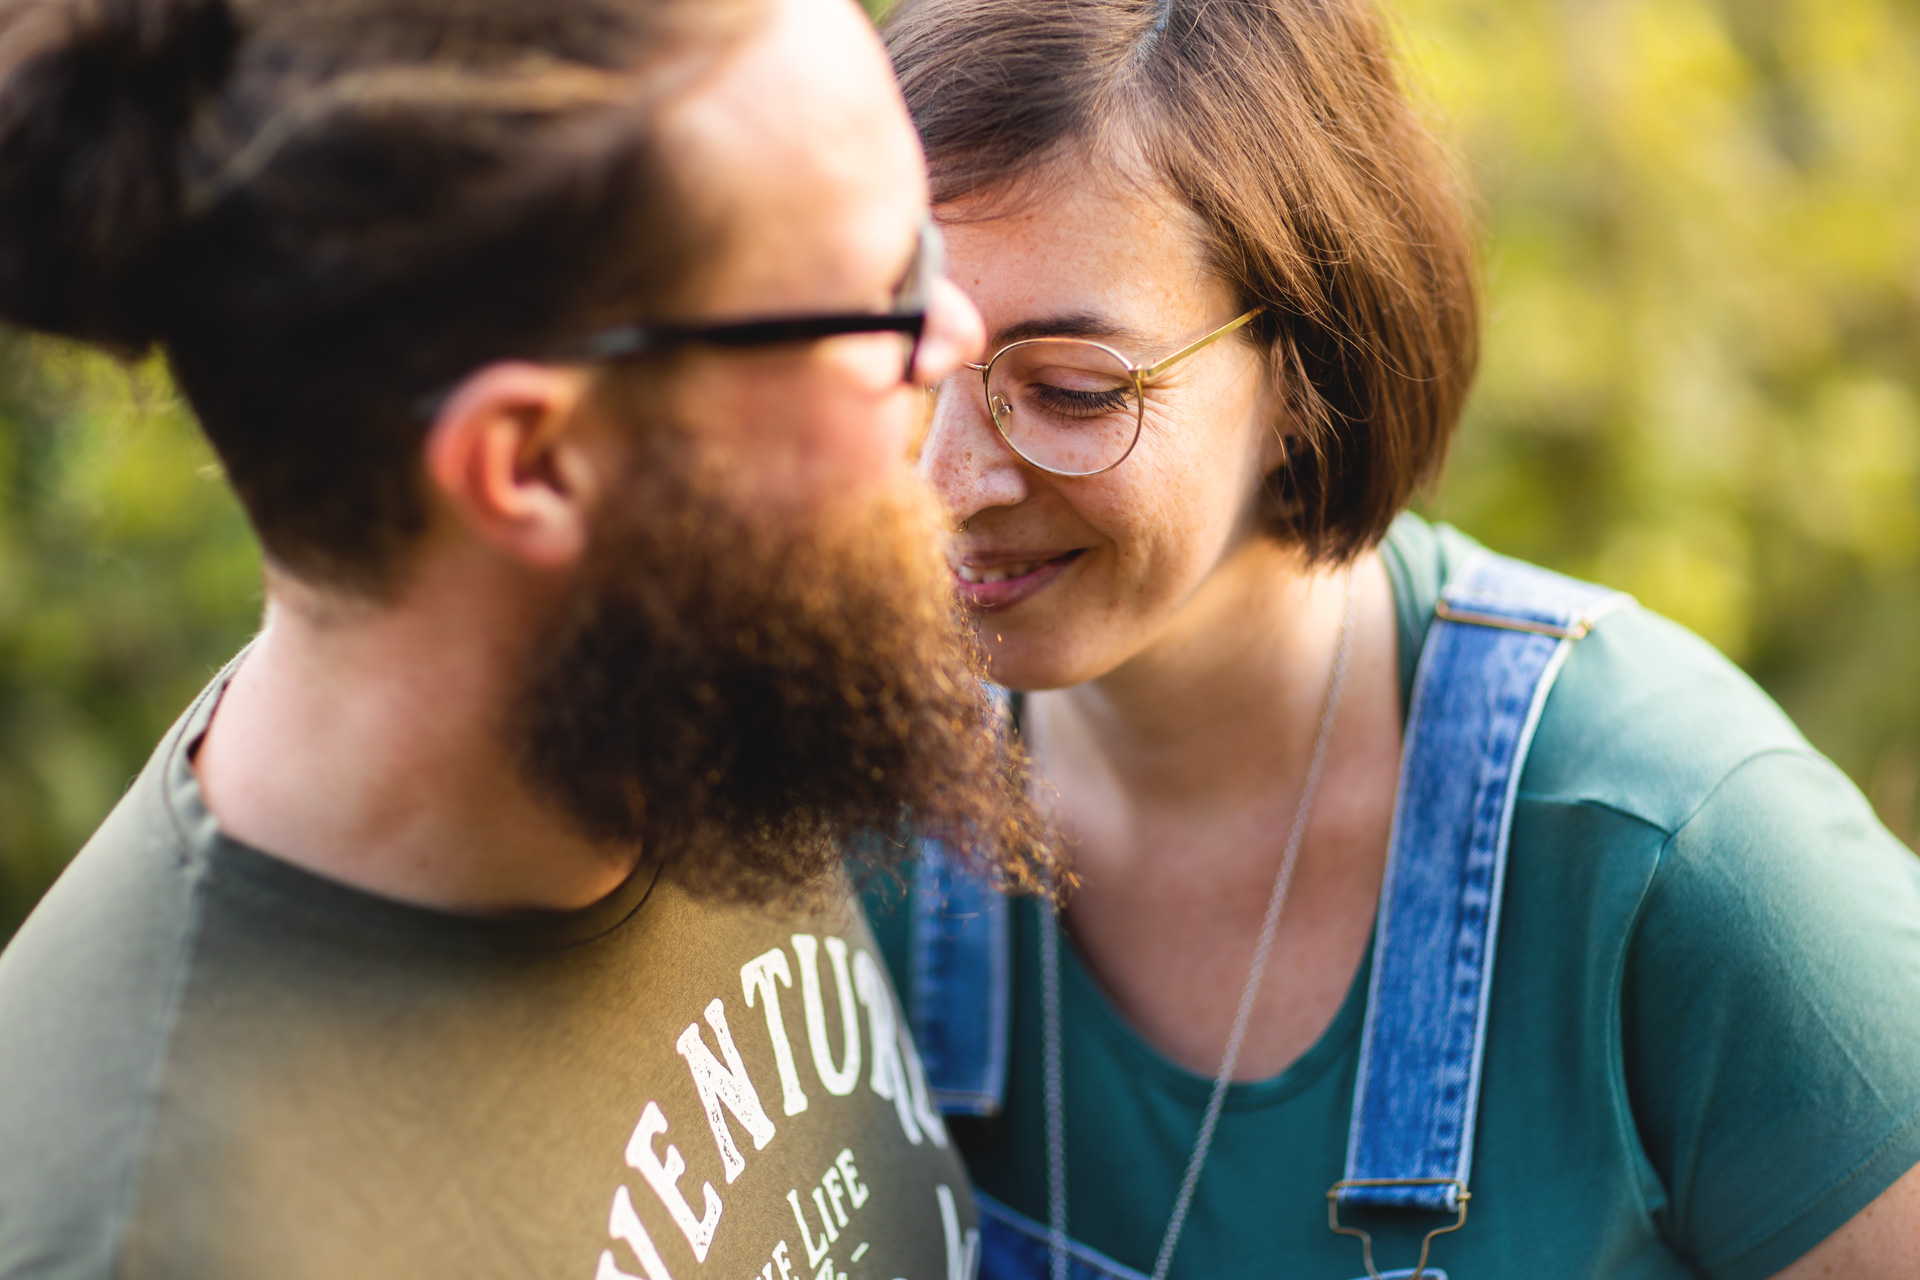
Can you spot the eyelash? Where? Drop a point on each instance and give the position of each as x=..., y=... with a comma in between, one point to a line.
x=1082, y=404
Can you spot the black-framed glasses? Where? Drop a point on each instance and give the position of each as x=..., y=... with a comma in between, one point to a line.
x=1073, y=406
x=906, y=317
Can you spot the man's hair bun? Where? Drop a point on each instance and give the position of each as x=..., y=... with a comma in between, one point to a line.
x=95, y=98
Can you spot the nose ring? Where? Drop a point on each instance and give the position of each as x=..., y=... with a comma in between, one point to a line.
x=962, y=526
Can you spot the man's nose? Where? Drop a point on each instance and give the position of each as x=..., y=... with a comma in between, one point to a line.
x=954, y=336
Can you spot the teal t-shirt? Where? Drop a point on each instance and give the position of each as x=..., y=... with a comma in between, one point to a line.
x=1704, y=1044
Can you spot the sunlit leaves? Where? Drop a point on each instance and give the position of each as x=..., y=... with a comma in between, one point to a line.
x=1702, y=376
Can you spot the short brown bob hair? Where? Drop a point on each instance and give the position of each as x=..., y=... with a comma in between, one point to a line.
x=1323, y=199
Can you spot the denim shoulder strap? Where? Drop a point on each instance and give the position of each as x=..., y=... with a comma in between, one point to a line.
x=959, y=996
x=1500, y=634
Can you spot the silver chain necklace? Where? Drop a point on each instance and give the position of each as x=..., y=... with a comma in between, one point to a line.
x=1050, y=1001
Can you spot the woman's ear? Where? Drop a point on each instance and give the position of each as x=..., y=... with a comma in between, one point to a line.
x=1278, y=401
x=507, y=455
x=1285, y=449
x=1277, y=444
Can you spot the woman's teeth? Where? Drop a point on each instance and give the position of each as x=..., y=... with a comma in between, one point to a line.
x=997, y=573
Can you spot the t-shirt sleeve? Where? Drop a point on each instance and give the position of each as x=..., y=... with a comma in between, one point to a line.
x=1771, y=1016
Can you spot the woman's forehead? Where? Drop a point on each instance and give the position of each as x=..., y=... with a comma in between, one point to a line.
x=1083, y=256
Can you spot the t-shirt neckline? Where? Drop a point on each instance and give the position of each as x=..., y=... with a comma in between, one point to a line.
x=1290, y=1081
x=218, y=855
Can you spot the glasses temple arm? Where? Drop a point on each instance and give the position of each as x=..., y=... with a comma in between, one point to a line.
x=1152, y=371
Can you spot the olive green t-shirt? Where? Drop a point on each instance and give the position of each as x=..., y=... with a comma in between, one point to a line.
x=1703, y=1051
x=215, y=1066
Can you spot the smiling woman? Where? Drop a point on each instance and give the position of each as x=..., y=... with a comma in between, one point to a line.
x=1307, y=183
x=1320, y=762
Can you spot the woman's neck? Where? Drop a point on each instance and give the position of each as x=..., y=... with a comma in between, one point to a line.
x=1175, y=780
x=1224, y=704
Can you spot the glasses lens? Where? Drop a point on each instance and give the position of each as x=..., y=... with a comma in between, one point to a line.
x=915, y=292
x=929, y=264
x=1064, y=405
x=878, y=362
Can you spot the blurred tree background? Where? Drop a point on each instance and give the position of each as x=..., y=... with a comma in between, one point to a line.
x=127, y=577
x=1701, y=384
x=1702, y=375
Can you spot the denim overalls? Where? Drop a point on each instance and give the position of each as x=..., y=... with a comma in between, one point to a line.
x=1500, y=633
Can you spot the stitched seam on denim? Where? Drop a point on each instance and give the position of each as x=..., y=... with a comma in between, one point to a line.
x=1523, y=745
x=963, y=1082
x=1558, y=597
x=954, y=1102
x=1445, y=1138
x=1451, y=1136
x=1013, y=1220
x=1416, y=722
x=926, y=1010
x=999, y=1037
x=1448, y=1134
x=1449, y=1140
x=1423, y=674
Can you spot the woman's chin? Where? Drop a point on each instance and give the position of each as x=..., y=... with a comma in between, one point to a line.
x=1031, y=662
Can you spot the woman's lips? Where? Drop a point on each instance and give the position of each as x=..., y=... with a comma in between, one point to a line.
x=1002, y=581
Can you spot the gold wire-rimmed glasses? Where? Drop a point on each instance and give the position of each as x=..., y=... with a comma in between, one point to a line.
x=1073, y=406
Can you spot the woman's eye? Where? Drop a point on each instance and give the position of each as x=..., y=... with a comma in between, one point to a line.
x=1071, y=403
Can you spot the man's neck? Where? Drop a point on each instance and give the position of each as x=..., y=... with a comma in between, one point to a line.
x=366, y=747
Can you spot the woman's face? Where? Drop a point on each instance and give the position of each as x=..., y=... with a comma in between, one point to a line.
x=1071, y=577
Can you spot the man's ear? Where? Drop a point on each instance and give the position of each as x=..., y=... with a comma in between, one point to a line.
x=507, y=454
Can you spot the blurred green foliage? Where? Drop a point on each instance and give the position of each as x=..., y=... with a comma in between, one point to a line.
x=1701, y=383
x=127, y=577
x=1702, y=374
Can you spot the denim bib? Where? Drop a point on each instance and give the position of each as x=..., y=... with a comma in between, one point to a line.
x=1501, y=631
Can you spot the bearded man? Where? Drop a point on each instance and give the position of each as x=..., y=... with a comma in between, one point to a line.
x=484, y=917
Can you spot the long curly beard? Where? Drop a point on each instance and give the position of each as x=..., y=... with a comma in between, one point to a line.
x=748, y=704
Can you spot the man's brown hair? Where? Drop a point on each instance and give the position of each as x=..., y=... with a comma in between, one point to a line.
x=324, y=211
x=1322, y=198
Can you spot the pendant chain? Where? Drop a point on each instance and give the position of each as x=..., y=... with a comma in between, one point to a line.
x=1050, y=1002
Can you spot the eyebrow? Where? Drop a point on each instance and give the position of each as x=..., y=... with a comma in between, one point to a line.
x=1073, y=324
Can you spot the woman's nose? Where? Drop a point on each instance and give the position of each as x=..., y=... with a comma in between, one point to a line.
x=963, y=457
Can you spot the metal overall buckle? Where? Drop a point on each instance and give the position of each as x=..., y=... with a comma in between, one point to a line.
x=1461, y=1197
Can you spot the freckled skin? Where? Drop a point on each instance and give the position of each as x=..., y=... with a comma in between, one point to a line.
x=1181, y=660
x=1155, y=528
x=1188, y=656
